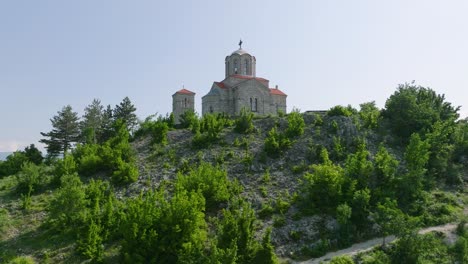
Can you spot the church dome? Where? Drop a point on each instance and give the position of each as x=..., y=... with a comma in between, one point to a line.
x=240, y=51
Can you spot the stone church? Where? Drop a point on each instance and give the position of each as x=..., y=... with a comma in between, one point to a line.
x=241, y=88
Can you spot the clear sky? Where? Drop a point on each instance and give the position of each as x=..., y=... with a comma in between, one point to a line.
x=321, y=53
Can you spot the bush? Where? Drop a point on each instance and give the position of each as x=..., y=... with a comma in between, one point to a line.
x=30, y=178
x=188, y=119
x=340, y=111
x=13, y=163
x=276, y=143
x=296, y=124
x=342, y=260
x=243, y=123
x=211, y=181
x=156, y=229
x=125, y=173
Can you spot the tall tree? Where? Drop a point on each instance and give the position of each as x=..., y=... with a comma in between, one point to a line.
x=107, y=124
x=126, y=111
x=91, y=125
x=414, y=109
x=65, y=132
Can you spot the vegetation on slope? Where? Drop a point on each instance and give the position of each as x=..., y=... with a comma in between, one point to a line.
x=242, y=190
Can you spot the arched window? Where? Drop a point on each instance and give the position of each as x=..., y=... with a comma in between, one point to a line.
x=211, y=109
x=185, y=102
x=246, y=67
x=235, y=66
x=255, y=105
x=251, y=104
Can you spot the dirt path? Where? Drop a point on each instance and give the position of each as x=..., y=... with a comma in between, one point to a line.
x=447, y=229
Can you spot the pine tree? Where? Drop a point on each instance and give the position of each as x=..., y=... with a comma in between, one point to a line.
x=126, y=111
x=65, y=132
x=91, y=125
x=107, y=125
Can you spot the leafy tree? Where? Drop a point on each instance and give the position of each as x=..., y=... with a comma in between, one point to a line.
x=385, y=168
x=360, y=206
x=369, y=115
x=126, y=112
x=65, y=132
x=236, y=231
x=440, y=140
x=341, y=111
x=414, y=109
x=322, y=189
x=91, y=124
x=160, y=230
x=359, y=167
x=390, y=219
x=417, y=248
x=416, y=157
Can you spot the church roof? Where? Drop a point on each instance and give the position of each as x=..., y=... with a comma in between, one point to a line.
x=220, y=85
x=240, y=52
x=184, y=91
x=276, y=91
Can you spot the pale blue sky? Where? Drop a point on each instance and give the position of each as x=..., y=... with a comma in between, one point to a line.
x=321, y=53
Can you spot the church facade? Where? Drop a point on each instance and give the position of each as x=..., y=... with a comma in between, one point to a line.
x=240, y=89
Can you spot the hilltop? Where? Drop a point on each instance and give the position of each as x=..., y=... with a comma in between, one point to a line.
x=217, y=189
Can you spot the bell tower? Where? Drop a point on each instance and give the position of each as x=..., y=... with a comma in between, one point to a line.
x=240, y=62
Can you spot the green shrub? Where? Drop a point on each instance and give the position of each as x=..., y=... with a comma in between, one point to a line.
x=243, y=123
x=188, y=119
x=159, y=229
x=276, y=143
x=340, y=111
x=125, y=173
x=267, y=210
x=296, y=124
x=30, y=178
x=211, y=181
x=22, y=260
x=342, y=260
x=13, y=163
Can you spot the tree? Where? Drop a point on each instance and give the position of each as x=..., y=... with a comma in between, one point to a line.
x=416, y=157
x=65, y=132
x=296, y=124
x=91, y=124
x=126, y=111
x=369, y=114
x=389, y=218
x=107, y=125
x=322, y=189
x=33, y=154
x=414, y=109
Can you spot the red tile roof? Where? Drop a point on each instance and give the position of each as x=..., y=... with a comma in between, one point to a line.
x=276, y=91
x=185, y=91
x=238, y=76
x=220, y=85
